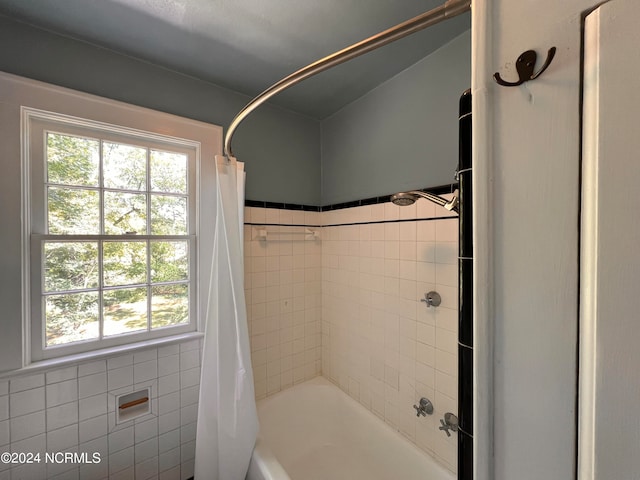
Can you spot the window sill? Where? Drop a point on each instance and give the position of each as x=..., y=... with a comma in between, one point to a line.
x=60, y=362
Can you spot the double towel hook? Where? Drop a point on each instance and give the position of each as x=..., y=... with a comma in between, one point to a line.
x=524, y=66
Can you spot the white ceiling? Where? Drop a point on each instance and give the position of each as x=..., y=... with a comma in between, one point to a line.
x=247, y=45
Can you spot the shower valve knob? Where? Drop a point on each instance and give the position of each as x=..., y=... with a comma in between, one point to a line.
x=449, y=423
x=425, y=408
x=444, y=427
x=431, y=299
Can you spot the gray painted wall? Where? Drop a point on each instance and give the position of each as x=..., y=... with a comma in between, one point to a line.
x=281, y=149
x=401, y=135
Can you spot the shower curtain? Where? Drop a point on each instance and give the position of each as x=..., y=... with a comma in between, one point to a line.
x=227, y=416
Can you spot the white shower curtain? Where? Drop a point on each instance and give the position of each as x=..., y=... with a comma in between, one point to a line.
x=227, y=416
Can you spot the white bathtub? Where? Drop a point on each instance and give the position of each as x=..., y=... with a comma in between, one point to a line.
x=314, y=431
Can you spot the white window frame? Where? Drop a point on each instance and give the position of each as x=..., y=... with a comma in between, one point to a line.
x=75, y=110
x=37, y=124
x=19, y=93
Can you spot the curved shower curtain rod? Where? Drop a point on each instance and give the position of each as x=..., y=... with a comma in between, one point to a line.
x=449, y=9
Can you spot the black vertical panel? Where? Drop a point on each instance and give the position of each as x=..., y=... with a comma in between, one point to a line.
x=464, y=177
x=464, y=145
x=465, y=302
x=465, y=251
x=465, y=456
x=465, y=389
x=465, y=193
x=465, y=305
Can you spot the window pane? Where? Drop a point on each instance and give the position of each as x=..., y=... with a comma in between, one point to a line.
x=71, y=318
x=72, y=160
x=168, y=172
x=169, y=305
x=70, y=266
x=73, y=211
x=125, y=311
x=125, y=213
x=124, y=166
x=169, y=261
x=124, y=263
x=168, y=215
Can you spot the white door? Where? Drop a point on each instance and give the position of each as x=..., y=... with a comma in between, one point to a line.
x=609, y=402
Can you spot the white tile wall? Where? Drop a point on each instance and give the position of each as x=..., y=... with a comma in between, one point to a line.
x=351, y=302
x=283, y=292
x=380, y=344
x=72, y=409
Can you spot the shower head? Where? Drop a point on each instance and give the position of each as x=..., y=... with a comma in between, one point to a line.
x=404, y=199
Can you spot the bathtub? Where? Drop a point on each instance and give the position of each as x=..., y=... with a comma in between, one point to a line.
x=314, y=431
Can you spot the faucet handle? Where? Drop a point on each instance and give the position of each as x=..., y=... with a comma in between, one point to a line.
x=444, y=427
x=450, y=422
x=425, y=408
x=431, y=299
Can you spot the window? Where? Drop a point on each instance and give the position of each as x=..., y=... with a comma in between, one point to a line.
x=113, y=235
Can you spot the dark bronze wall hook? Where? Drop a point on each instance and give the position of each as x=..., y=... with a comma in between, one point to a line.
x=524, y=66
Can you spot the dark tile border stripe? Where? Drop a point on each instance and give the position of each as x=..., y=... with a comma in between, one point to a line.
x=402, y=220
x=282, y=206
x=440, y=190
x=254, y=224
